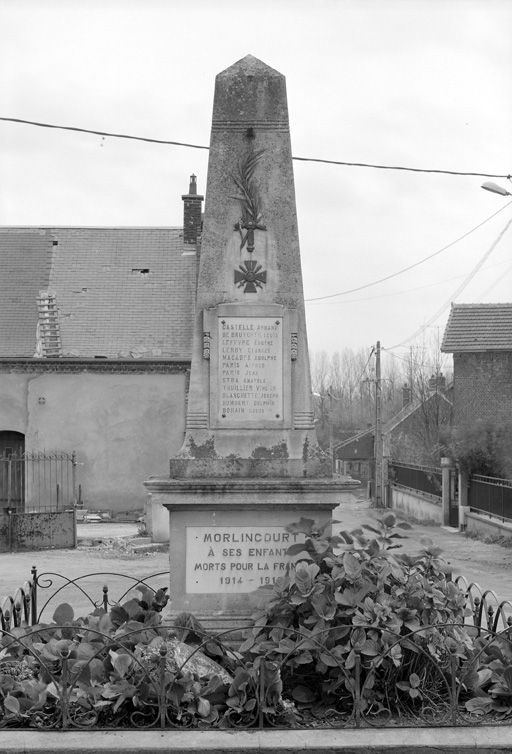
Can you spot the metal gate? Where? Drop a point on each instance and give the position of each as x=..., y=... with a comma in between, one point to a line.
x=38, y=498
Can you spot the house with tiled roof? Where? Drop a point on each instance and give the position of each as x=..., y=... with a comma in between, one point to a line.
x=480, y=338
x=95, y=348
x=354, y=455
x=411, y=435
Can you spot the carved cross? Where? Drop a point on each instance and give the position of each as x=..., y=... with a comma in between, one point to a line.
x=251, y=275
x=250, y=226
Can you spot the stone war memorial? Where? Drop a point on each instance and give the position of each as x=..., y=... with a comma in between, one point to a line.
x=355, y=637
x=250, y=464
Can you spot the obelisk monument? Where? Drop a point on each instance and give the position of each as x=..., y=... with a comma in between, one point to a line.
x=250, y=462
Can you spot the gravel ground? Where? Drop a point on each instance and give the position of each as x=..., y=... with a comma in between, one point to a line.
x=112, y=562
x=487, y=564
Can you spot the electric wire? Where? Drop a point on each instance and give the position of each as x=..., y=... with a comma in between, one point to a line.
x=411, y=266
x=330, y=162
x=202, y=146
x=419, y=288
x=498, y=280
x=459, y=290
x=407, y=359
x=107, y=133
x=359, y=379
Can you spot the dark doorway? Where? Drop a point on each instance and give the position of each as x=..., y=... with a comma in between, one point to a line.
x=12, y=470
x=454, y=499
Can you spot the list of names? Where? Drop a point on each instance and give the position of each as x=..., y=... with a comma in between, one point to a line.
x=250, y=369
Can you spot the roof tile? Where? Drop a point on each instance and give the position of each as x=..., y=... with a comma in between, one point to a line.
x=108, y=304
x=478, y=327
x=25, y=256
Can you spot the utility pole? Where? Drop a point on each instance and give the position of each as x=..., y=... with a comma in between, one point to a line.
x=378, y=430
x=331, y=433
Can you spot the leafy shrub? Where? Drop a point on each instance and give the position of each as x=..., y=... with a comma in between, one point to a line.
x=353, y=616
x=482, y=448
x=109, y=669
x=353, y=629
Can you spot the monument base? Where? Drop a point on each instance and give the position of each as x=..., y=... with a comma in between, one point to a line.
x=228, y=539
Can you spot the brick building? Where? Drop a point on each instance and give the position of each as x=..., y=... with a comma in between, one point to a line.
x=480, y=338
x=95, y=348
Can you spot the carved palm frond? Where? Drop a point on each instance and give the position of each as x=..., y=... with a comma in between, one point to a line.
x=248, y=196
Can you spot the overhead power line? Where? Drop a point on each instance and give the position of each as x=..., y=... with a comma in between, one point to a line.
x=459, y=290
x=106, y=133
x=397, y=167
x=372, y=351
x=498, y=280
x=411, y=266
x=301, y=159
x=420, y=287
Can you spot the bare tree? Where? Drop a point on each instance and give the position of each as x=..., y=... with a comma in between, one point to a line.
x=422, y=371
x=344, y=383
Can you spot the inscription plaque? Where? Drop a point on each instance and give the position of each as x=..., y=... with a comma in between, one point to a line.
x=250, y=370
x=236, y=559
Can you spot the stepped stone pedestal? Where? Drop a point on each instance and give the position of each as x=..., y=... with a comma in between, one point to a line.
x=250, y=464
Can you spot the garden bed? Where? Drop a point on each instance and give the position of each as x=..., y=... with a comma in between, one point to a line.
x=354, y=636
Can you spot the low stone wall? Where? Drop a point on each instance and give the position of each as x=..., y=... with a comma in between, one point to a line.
x=480, y=525
x=415, y=505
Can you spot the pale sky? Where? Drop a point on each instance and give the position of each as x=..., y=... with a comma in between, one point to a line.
x=415, y=83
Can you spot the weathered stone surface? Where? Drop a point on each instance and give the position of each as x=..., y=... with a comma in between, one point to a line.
x=250, y=410
x=250, y=464
x=187, y=658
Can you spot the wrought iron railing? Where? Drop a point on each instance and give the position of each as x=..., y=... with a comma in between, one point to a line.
x=34, y=601
x=101, y=679
x=424, y=478
x=488, y=611
x=491, y=496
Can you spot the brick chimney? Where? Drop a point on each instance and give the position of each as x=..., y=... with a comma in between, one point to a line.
x=437, y=383
x=406, y=395
x=192, y=222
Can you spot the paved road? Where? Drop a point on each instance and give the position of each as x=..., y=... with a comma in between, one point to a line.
x=490, y=565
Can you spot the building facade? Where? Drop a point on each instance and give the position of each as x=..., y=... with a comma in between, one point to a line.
x=95, y=348
x=480, y=338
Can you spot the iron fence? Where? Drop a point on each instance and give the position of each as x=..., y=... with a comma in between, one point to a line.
x=110, y=670
x=100, y=681
x=491, y=496
x=39, y=481
x=424, y=478
x=34, y=601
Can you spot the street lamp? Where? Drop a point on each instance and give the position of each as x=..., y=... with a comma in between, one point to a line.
x=495, y=189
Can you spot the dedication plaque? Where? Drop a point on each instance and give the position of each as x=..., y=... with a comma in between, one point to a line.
x=236, y=559
x=250, y=370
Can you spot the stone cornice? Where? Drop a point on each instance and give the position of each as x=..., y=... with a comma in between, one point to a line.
x=259, y=485
x=106, y=366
